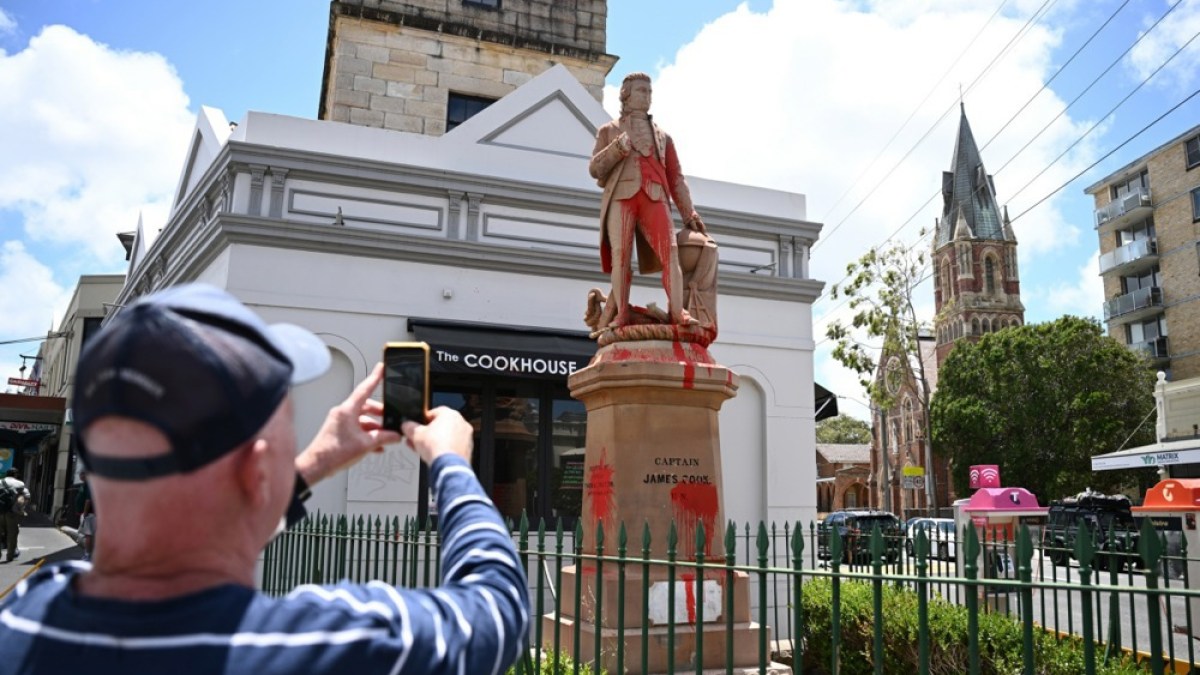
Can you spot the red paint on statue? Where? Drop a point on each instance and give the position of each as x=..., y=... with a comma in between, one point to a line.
x=598, y=488
x=695, y=503
x=689, y=366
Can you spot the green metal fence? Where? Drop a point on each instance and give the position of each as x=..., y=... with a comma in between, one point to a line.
x=815, y=601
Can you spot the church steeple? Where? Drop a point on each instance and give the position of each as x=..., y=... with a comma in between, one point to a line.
x=968, y=189
x=976, y=285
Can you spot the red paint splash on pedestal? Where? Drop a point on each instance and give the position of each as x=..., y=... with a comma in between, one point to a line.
x=599, y=489
x=689, y=366
x=695, y=503
x=689, y=595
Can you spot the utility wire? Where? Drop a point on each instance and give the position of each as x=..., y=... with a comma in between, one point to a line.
x=1003, y=51
x=970, y=43
x=825, y=295
x=1110, y=152
x=39, y=338
x=1089, y=87
x=1106, y=116
x=1063, y=67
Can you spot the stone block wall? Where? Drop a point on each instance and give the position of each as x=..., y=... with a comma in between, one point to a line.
x=397, y=71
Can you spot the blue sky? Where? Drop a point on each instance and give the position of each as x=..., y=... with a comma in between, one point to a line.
x=845, y=101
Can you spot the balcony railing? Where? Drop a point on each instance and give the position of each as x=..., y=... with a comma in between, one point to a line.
x=1125, y=257
x=1126, y=205
x=1137, y=301
x=1153, y=349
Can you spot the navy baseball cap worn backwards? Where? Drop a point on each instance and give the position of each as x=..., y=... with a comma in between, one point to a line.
x=196, y=364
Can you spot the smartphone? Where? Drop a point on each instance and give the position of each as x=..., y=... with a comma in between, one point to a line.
x=405, y=383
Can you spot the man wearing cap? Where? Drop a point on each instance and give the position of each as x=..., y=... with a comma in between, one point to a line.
x=186, y=426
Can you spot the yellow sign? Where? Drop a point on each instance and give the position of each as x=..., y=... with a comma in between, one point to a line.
x=914, y=471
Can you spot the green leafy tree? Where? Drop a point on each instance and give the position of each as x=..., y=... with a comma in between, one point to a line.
x=843, y=429
x=881, y=288
x=1039, y=400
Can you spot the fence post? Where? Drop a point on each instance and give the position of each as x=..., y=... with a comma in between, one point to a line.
x=834, y=544
x=798, y=600
x=558, y=572
x=646, y=596
x=921, y=552
x=699, y=595
x=1084, y=553
x=578, y=614
x=763, y=544
x=541, y=592
x=877, y=549
x=1151, y=551
x=598, y=594
x=622, y=542
x=971, y=553
x=672, y=543
x=1025, y=572
x=730, y=561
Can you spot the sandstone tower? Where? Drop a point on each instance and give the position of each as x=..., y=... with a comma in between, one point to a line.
x=425, y=66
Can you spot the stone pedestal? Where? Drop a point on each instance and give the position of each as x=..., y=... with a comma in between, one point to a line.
x=654, y=458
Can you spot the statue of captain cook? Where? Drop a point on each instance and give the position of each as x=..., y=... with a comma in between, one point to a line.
x=636, y=164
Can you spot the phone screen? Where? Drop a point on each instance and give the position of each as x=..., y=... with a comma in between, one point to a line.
x=405, y=383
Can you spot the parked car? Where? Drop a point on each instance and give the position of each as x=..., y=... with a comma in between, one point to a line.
x=941, y=533
x=1106, y=517
x=855, y=528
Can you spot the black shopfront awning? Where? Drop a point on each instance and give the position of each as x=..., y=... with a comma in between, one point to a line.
x=487, y=349
x=826, y=402
x=513, y=351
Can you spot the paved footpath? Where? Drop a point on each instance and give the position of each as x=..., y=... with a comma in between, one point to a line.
x=39, y=541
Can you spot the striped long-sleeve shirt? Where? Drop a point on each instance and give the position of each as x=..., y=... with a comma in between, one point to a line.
x=474, y=623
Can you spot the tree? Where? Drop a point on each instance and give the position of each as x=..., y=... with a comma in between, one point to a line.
x=843, y=429
x=881, y=290
x=1039, y=400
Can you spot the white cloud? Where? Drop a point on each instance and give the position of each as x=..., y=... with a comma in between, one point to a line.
x=93, y=136
x=31, y=297
x=8, y=25
x=1174, y=31
x=1082, y=297
x=809, y=109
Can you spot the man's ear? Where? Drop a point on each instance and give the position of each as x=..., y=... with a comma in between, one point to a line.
x=254, y=472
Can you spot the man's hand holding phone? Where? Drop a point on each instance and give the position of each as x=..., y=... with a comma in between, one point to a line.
x=446, y=433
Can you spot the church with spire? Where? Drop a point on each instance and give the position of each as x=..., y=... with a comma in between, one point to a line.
x=976, y=291
x=977, y=288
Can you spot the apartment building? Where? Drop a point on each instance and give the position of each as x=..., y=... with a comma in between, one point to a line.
x=1146, y=218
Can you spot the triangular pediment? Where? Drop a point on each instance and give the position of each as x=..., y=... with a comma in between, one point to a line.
x=552, y=113
x=208, y=137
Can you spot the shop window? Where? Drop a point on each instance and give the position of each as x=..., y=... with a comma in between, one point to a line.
x=461, y=107
x=1192, y=150
x=527, y=462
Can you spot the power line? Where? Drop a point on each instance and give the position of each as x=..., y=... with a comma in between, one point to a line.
x=39, y=338
x=1044, y=128
x=1106, y=115
x=1110, y=152
x=1003, y=51
x=970, y=43
x=1063, y=67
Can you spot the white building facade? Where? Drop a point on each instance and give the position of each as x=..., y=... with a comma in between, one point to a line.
x=484, y=243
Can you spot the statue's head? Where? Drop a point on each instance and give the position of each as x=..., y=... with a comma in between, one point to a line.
x=635, y=93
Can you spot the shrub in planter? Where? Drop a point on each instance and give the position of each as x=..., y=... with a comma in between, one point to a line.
x=1000, y=638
